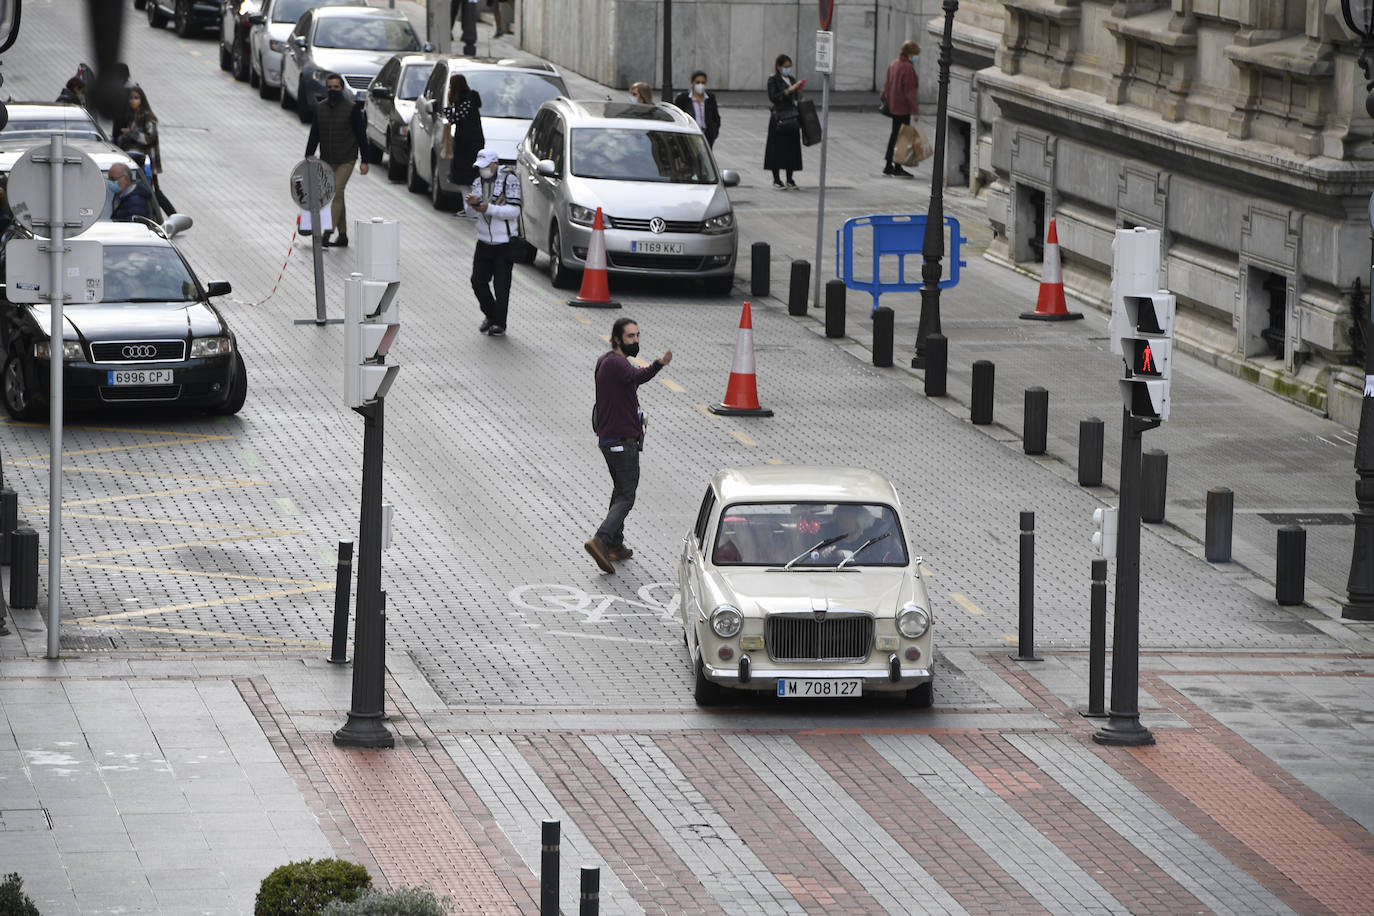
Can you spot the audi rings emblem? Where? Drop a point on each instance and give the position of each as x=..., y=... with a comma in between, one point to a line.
x=138, y=351
x=657, y=225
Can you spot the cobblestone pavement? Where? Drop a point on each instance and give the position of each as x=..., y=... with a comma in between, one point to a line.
x=180, y=748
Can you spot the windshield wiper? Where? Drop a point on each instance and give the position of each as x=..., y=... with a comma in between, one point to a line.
x=821, y=546
x=867, y=543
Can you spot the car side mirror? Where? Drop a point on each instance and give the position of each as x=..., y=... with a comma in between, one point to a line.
x=379, y=92
x=546, y=168
x=729, y=177
x=175, y=224
x=425, y=105
x=218, y=288
x=299, y=41
x=427, y=47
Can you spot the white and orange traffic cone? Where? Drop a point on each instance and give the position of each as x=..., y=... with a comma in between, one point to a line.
x=742, y=393
x=596, y=290
x=1050, y=305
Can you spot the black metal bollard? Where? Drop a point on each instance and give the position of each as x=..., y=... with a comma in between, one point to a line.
x=937, y=365
x=834, y=308
x=1154, y=481
x=24, y=569
x=1025, y=627
x=1097, y=642
x=1291, y=575
x=980, y=405
x=548, y=869
x=1091, y=435
x=343, y=574
x=1035, y=421
x=9, y=520
x=882, y=336
x=760, y=269
x=1221, y=504
x=591, y=892
x=796, y=293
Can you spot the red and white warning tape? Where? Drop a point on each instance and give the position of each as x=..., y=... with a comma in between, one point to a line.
x=289, y=248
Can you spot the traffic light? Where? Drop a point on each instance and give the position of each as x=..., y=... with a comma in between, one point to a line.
x=371, y=321
x=1104, y=533
x=1147, y=349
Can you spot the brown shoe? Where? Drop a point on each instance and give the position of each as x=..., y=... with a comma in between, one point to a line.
x=620, y=553
x=599, y=554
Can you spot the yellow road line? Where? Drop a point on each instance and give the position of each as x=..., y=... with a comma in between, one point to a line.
x=131, y=496
x=177, y=631
x=578, y=316
x=673, y=386
x=776, y=461
x=927, y=571
x=965, y=603
x=702, y=409
x=198, y=573
x=74, y=469
x=743, y=438
x=212, y=602
x=139, y=520
x=159, y=548
x=118, y=448
x=1011, y=638
x=126, y=429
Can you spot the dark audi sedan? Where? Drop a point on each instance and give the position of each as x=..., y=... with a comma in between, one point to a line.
x=154, y=338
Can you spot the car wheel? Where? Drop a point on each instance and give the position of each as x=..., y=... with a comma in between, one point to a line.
x=720, y=286
x=238, y=61
x=441, y=199
x=238, y=389
x=921, y=697
x=226, y=59
x=156, y=17
x=303, y=110
x=395, y=161
x=413, y=181
x=705, y=692
x=18, y=401
x=181, y=19
x=559, y=274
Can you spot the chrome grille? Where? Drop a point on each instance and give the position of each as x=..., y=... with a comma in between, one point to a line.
x=141, y=351
x=140, y=393
x=801, y=637
x=653, y=261
x=358, y=82
x=673, y=225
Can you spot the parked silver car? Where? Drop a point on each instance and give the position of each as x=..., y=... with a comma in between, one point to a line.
x=353, y=42
x=267, y=40
x=648, y=167
x=511, y=89
x=389, y=106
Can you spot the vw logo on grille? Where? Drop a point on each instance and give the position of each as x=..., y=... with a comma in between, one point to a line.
x=657, y=225
x=139, y=351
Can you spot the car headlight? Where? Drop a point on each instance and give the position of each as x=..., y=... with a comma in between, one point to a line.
x=913, y=622
x=278, y=46
x=202, y=347
x=718, y=224
x=71, y=349
x=726, y=621
x=581, y=215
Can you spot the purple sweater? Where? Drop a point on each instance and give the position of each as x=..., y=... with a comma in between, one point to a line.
x=617, y=395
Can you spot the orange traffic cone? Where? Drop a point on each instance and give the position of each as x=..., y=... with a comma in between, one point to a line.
x=1050, y=306
x=596, y=291
x=741, y=394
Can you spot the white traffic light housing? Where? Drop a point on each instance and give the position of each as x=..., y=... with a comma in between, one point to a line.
x=1104, y=533
x=1148, y=351
x=371, y=322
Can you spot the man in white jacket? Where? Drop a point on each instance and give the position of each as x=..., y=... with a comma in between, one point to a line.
x=495, y=200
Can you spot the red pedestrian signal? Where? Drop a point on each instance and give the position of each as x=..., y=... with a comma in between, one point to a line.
x=1147, y=348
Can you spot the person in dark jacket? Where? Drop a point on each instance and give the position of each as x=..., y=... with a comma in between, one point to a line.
x=899, y=95
x=338, y=131
x=701, y=105
x=464, y=138
x=783, y=148
x=130, y=199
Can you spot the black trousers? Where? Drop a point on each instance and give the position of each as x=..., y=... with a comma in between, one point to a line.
x=624, y=468
x=491, y=271
x=897, y=122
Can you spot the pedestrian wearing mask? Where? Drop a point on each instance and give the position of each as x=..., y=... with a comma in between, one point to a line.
x=642, y=93
x=337, y=130
x=899, y=100
x=619, y=427
x=139, y=134
x=495, y=201
x=783, y=148
x=701, y=105
x=129, y=199
x=463, y=137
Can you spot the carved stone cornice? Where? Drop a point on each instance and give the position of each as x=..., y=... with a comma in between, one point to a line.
x=1040, y=38
x=1286, y=91
x=1157, y=50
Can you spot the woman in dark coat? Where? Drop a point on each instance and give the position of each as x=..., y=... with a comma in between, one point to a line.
x=464, y=138
x=783, y=149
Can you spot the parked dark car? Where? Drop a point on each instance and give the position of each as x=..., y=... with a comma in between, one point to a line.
x=188, y=17
x=390, y=103
x=154, y=338
x=235, y=24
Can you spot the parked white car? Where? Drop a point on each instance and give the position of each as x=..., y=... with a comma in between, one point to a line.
x=797, y=581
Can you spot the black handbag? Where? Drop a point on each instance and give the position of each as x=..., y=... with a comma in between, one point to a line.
x=883, y=109
x=787, y=120
x=810, y=122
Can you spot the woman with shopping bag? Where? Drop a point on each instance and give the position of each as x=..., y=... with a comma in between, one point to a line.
x=898, y=100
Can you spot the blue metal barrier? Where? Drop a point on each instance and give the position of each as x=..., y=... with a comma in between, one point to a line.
x=894, y=234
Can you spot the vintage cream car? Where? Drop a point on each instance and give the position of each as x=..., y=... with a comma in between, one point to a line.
x=798, y=581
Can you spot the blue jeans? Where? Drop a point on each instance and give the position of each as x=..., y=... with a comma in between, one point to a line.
x=624, y=468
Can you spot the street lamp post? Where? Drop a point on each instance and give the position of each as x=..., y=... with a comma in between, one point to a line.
x=933, y=246
x=1359, y=16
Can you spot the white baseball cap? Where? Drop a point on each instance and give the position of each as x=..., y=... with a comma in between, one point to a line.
x=485, y=158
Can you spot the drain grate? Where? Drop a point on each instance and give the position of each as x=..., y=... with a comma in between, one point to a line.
x=1290, y=627
x=78, y=643
x=1307, y=519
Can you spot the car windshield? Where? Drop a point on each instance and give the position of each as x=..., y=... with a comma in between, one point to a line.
x=290, y=10
x=413, y=79
x=631, y=154
x=42, y=128
x=146, y=273
x=507, y=94
x=809, y=535
x=366, y=34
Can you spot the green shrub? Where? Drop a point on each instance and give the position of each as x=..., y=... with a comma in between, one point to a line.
x=13, y=900
x=403, y=901
x=303, y=888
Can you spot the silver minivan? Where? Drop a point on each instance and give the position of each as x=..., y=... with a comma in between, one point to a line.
x=664, y=206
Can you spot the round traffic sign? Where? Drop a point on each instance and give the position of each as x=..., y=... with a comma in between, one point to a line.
x=312, y=184
x=30, y=191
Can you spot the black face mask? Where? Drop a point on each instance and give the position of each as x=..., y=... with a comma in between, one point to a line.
x=336, y=95
x=629, y=349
